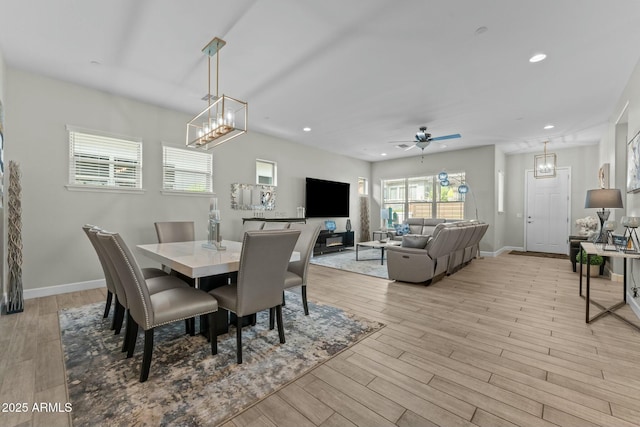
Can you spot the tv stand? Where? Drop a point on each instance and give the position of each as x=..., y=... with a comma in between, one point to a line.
x=333, y=241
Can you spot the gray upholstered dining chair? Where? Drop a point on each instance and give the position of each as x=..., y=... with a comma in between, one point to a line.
x=175, y=231
x=118, y=316
x=296, y=274
x=263, y=261
x=147, y=310
x=153, y=277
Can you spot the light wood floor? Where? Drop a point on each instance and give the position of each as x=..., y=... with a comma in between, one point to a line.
x=503, y=342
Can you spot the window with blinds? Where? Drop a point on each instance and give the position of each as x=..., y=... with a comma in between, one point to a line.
x=423, y=197
x=104, y=161
x=187, y=170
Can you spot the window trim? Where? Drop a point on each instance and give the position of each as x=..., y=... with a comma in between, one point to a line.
x=406, y=202
x=172, y=192
x=72, y=186
x=274, y=169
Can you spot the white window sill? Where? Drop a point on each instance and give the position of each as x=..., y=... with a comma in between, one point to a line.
x=187, y=193
x=101, y=189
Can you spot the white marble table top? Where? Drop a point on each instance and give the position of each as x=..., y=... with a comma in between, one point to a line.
x=194, y=260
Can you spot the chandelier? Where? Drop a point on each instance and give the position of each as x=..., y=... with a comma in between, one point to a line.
x=224, y=118
x=544, y=165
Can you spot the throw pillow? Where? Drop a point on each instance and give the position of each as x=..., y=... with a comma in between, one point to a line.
x=401, y=229
x=415, y=241
x=405, y=228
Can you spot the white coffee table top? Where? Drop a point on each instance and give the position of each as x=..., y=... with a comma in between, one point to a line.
x=379, y=244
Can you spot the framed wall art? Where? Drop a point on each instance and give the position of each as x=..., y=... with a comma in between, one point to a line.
x=633, y=164
x=603, y=175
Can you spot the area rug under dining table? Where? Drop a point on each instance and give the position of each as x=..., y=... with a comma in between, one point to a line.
x=187, y=385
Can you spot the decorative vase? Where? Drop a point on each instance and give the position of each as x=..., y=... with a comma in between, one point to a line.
x=348, y=226
x=15, y=299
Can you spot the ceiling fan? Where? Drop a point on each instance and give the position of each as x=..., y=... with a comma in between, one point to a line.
x=423, y=139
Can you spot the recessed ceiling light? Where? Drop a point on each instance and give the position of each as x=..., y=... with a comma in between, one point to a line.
x=549, y=126
x=383, y=154
x=537, y=57
x=307, y=129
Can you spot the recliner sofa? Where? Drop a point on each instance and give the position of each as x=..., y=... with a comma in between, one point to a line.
x=449, y=247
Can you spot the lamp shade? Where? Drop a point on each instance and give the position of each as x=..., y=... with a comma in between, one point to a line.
x=604, y=198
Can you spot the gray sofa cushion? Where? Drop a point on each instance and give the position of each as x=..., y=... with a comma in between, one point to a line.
x=415, y=241
x=433, y=221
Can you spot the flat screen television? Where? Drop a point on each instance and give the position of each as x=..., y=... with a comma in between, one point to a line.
x=326, y=199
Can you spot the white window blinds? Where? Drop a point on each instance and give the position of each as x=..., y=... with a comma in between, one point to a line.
x=101, y=160
x=187, y=171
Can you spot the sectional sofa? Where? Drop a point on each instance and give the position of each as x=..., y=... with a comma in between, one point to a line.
x=440, y=248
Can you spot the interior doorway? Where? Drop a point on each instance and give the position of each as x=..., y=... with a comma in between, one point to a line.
x=547, y=225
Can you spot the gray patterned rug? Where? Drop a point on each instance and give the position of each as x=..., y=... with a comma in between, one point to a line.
x=188, y=386
x=368, y=261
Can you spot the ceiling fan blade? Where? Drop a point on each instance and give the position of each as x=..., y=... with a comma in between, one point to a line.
x=440, y=138
x=401, y=142
x=407, y=149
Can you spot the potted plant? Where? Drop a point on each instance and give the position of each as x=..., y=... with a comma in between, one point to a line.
x=595, y=261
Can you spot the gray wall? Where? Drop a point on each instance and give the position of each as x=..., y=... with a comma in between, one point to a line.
x=584, y=165
x=477, y=163
x=2, y=205
x=55, y=249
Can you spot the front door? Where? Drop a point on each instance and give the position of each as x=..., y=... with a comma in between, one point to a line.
x=547, y=213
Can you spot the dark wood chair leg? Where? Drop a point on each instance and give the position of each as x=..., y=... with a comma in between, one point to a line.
x=305, y=304
x=272, y=318
x=107, y=306
x=115, y=312
x=284, y=303
x=191, y=328
x=148, y=353
x=118, y=319
x=131, y=346
x=239, y=340
x=127, y=332
x=280, y=325
x=212, y=333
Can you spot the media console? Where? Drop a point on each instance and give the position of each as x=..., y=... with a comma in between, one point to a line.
x=332, y=241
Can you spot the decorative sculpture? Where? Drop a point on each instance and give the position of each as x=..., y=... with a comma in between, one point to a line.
x=365, y=229
x=15, y=302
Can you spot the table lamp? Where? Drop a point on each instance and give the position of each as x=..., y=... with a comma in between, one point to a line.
x=605, y=199
x=384, y=216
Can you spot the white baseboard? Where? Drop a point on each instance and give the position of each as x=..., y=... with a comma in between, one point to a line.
x=501, y=250
x=63, y=289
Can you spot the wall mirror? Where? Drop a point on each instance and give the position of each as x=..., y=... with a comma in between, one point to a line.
x=253, y=197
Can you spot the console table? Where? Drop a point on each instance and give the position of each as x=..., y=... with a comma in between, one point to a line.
x=592, y=249
x=255, y=218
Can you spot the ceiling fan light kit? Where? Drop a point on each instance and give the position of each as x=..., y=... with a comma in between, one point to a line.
x=423, y=140
x=224, y=118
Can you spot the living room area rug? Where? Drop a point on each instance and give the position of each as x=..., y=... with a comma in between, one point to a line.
x=369, y=261
x=187, y=385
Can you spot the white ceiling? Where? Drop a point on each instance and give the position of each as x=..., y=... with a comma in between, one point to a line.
x=360, y=73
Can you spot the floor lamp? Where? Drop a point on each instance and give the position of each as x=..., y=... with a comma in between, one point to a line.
x=605, y=199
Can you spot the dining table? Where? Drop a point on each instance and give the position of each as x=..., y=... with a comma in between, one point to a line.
x=208, y=266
